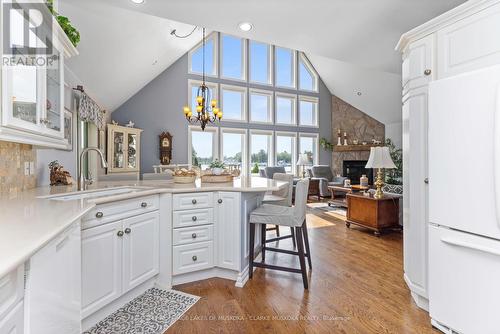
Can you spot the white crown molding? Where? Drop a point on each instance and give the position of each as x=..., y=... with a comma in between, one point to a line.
x=451, y=16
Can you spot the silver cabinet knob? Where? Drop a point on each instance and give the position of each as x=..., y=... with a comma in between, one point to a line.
x=426, y=180
x=99, y=214
x=427, y=72
x=193, y=201
x=144, y=204
x=193, y=235
x=128, y=230
x=194, y=218
x=194, y=258
x=219, y=201
x=120, y=233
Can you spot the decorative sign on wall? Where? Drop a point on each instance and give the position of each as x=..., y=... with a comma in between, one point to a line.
x=165, y=148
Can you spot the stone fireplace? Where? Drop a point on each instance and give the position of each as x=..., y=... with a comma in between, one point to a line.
x=358, y=126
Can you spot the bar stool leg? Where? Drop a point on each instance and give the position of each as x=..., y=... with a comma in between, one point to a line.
x=263, y=241
x=293, y=237
x=251, y=251
x=306, y=242
x=277, y=230
x=300, y=248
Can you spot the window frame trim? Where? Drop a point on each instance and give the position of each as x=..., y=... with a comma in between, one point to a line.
x=270, y=64
x=270, y=109
x=244, y=58
x=303, y=58
x=244, y=102
x=215, y=36
x=215, y=141
x=295, y=120
x=311, y=99
x=294, y=148
x=294, y=68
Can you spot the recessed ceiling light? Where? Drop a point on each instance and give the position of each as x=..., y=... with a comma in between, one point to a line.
x=245, y=26
x=138, y=2
x=359, y=93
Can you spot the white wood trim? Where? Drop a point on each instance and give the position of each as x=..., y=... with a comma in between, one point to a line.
x=270, y=108
x=215, y=140
x=315, y=101
x=244, y=58
x=287, y=134
x=243, y=90
x=458, y=13
x=293, y=97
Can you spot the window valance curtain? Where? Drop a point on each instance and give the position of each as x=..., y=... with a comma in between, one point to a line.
x=89, y=111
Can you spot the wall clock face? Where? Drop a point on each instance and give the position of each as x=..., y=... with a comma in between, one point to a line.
x=165, y=143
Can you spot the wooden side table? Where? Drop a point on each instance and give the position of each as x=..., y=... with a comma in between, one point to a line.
x=372, y=213
x=342, y=199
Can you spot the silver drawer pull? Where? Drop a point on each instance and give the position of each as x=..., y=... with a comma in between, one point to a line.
x=194, y=218
x=99, y=214
x=193, y=201
x=128, y=230
x=194, y=258
x=193, y=235
x=427, y=72
x=120, y=233
x=144, y=204
x=219, y=201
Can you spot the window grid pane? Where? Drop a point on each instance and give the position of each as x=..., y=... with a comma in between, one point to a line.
x=260, y=107
x=197, y=58
x=233, y=103
x=308, y=146
x=285, y=157
x=232, y=57
x=308, y=112
x=285, y=68
x=260, y=151
x=259, y=62
x=285, y=109
x=233, y=152
x=202, y=153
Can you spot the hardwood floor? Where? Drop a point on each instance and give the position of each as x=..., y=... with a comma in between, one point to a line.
x=356, y=286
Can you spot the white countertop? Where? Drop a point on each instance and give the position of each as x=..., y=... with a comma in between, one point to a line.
x=28, y=222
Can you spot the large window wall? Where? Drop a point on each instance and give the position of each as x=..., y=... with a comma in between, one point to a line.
x=269, y=96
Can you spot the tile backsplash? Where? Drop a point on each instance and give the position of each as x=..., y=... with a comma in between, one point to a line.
x=13, y=159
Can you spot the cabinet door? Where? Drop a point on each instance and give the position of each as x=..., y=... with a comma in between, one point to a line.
x=54, y=92
x=415, y=169
x=101, y=266
x=13, y=323
x=228, y=229
x=140, y=249
x=418, y=63
x=132, y=152
x=117, y=147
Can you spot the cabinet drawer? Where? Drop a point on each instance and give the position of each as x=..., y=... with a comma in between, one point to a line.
x=193, y=257
x=109, y=212
x=190, y=235
x=11, y=289
x=193, y=217
x=192, y=201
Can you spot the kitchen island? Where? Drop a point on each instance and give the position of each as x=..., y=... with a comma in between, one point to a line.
x=133, y=235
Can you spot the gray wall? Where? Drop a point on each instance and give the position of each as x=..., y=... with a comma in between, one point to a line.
x=158, y=107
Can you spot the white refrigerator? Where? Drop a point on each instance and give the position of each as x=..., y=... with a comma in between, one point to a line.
x=464, y=202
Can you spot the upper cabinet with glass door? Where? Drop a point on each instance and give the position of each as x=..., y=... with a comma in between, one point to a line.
x=32, y=94
x=124, y=146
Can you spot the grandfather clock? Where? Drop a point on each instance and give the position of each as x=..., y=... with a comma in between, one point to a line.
x=165, y=148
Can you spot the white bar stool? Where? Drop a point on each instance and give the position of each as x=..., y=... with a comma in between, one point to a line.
x=294, y=217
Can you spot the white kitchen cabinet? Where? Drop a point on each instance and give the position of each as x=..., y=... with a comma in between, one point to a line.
x=53, y=286
x=32, y=96
x=101, y=266
x=192, y=257
x=13, y=322
x=415, y=192
x=418, y=63
x=140, y=249
x=227, y=207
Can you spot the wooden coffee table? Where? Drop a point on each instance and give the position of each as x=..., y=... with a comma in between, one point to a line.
x=342, y=199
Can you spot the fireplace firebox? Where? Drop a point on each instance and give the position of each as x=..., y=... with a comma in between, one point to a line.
x=354, y=169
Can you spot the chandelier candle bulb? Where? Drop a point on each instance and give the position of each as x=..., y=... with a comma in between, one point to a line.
x=214, y=103
x=186, y=110
x=199, y=100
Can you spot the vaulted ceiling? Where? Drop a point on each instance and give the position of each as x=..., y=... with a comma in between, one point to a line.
x=350, y=43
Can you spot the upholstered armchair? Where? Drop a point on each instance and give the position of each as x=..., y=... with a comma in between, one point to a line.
x=270, y=171
x=326, y=178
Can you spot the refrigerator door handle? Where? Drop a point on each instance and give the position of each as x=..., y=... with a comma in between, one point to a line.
x=468, y=245
x=496, y=157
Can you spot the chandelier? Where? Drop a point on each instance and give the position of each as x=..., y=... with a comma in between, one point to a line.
x=206, y=107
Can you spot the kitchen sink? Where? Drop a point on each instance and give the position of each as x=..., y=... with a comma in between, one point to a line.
x=93, y=194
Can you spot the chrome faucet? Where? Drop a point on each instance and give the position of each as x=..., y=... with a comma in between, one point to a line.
x=82, y=182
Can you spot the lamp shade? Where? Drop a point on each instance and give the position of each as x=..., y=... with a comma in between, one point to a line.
x=303, y=160
x=380, y=158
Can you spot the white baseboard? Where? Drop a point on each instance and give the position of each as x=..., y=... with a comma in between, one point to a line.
x=418, y=294
x=211, y=273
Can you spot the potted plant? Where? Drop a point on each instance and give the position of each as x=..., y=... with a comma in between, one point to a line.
x=394, y=177
x=217, y=167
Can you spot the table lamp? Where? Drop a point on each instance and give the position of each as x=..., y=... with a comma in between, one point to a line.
x=381, y=159
x=303, y=161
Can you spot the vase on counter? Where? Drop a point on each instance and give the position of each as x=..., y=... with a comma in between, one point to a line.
x=217, y=171
x=363, y=181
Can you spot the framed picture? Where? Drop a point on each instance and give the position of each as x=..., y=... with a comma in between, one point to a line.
x=68, y=129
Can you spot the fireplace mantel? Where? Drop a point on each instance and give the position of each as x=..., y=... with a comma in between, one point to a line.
x=353, y=148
